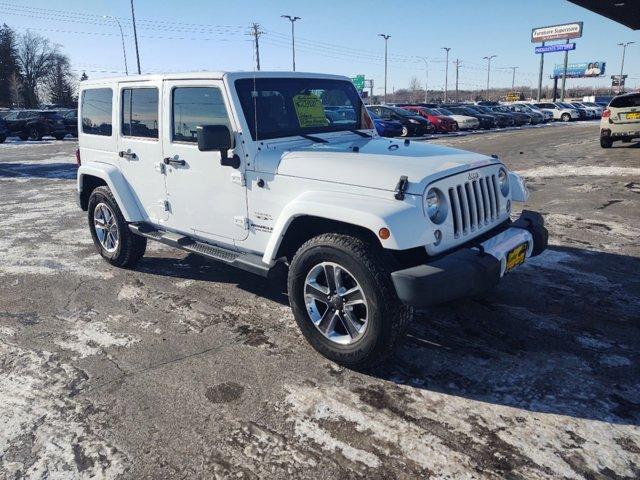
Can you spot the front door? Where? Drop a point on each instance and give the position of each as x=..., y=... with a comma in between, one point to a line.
x=140, y=148
x=205, y=199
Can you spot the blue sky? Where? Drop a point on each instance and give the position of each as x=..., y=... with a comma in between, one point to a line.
x=337, y=36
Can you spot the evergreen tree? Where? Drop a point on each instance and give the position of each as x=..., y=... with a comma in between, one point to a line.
x=59, y=82
x=8, y=64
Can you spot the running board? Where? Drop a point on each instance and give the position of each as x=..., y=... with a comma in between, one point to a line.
x=245, y=261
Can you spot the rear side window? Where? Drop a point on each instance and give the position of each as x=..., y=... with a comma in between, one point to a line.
x=140, y=112
x=626, y=101
x=194, y=106
x=96, y=107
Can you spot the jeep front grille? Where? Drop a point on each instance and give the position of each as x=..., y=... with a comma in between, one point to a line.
x=474, y=204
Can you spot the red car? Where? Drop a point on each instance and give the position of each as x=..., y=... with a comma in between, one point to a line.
x=442, y=123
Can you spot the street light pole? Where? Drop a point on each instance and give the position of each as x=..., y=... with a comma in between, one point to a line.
x=624, y=49
x=488, y=59
x=135, y=35
x=124, y=51
x=293, y=37
x=513, y=79
x=386, y=39
x=446, y=74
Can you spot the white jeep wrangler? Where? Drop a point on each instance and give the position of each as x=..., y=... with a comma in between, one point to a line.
x=251, y=170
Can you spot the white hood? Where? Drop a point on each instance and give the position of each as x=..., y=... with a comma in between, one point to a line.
x=376, y=163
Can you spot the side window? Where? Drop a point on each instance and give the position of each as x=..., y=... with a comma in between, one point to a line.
x=96, y=108
x=193, y=106
x=140, y=112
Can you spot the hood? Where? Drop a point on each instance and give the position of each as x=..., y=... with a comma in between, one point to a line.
x=374, y=163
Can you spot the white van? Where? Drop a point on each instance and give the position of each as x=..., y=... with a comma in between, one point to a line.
x=248, y=169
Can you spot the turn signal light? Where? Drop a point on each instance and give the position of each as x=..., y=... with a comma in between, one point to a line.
x=606, y=113
x=384, y=233
x=78, y=162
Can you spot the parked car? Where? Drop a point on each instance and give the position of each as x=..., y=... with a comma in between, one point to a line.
x=582, y=113
x=70, y=119
x=484, y=121
x=592, y=112
x=559, y=112
x=465, y=122
x=442, y=123
x=599, y=108
x=4, y=131
x=547, y=115
x=34, y=124
x=365, y=229
x=503, y=119
x=386, y=128
x=620, y=120
x=412, y=125
x=536, y=117
x=519, y=119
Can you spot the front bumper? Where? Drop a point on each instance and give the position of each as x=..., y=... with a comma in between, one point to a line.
x=471, y=270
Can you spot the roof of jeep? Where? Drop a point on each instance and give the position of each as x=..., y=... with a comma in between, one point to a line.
x=206, y=75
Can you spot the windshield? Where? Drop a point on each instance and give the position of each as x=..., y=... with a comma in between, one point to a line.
x=444, y=111
x=402, y=112
x=284, y=107
x=565, y=105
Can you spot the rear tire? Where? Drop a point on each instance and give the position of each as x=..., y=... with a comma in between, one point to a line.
x=115, y=242
x=606, y=142
x=405, y=132
x=565, y=117
x=34, y=134
x=380, y=318
x=60, y=136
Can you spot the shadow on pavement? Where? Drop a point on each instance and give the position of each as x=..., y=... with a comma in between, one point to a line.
x=66, y=171
x=561, y=335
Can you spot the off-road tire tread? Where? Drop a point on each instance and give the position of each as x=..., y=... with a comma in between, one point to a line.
x=132, y=246
x=380, y=264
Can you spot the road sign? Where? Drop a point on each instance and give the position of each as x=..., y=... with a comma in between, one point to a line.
x=556, y=32
x=558, y=47
x=358, y=82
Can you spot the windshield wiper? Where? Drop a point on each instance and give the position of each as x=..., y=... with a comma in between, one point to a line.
x=313, y=139
x=362, y=134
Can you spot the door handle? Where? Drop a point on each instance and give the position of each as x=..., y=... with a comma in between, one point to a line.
x=173, y=161
x=129, y=155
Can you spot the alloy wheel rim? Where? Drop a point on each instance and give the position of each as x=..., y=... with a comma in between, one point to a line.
x=335, y=303
x=106, y=227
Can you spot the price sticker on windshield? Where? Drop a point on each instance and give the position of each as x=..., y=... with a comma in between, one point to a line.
x=309, y=111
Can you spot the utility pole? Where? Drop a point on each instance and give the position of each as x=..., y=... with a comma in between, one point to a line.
x=513, y=79
x=293, y=37
x=457, y=62
x=256, y=32
x=540, y=75
x=446, y=74
x=620, y=80
x=426, y=77
x=386, y=39
x=564, y=73
x=370, y=90
x=124, y=51
x=488, y=59
x=135, y=35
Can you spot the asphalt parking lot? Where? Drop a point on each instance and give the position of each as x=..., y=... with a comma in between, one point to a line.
x=188, y=369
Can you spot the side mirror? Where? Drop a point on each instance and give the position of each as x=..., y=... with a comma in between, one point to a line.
x=217, y=138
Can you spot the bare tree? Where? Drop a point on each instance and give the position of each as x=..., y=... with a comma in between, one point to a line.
x=15, y=90
x=36, y=57
x=415, y=88
x=8, y=63
x=59, y=84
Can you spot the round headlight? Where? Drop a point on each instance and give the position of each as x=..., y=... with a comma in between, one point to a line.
x=503, y=180
x=435, y=206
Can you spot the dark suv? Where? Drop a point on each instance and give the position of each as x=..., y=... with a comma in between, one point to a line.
x=70, y=119
x=4, y=132
x=34, y=124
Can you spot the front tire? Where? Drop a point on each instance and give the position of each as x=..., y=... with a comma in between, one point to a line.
x=606, y=142
x=565, y=117
x=111, y=235
x=35, y=134
x=343, y=299
x=405, y=132
x=60, y=136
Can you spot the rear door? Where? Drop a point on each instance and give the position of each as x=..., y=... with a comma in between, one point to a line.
x=206, y=199
x=140, y=148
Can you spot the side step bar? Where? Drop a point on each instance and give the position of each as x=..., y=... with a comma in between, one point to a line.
x=245, y=261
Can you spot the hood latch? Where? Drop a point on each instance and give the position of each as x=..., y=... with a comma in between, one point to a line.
x=401, y=187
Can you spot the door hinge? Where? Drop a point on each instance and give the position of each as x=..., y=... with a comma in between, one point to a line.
x=160, y=167
x=238, y=178
x=241, y=222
